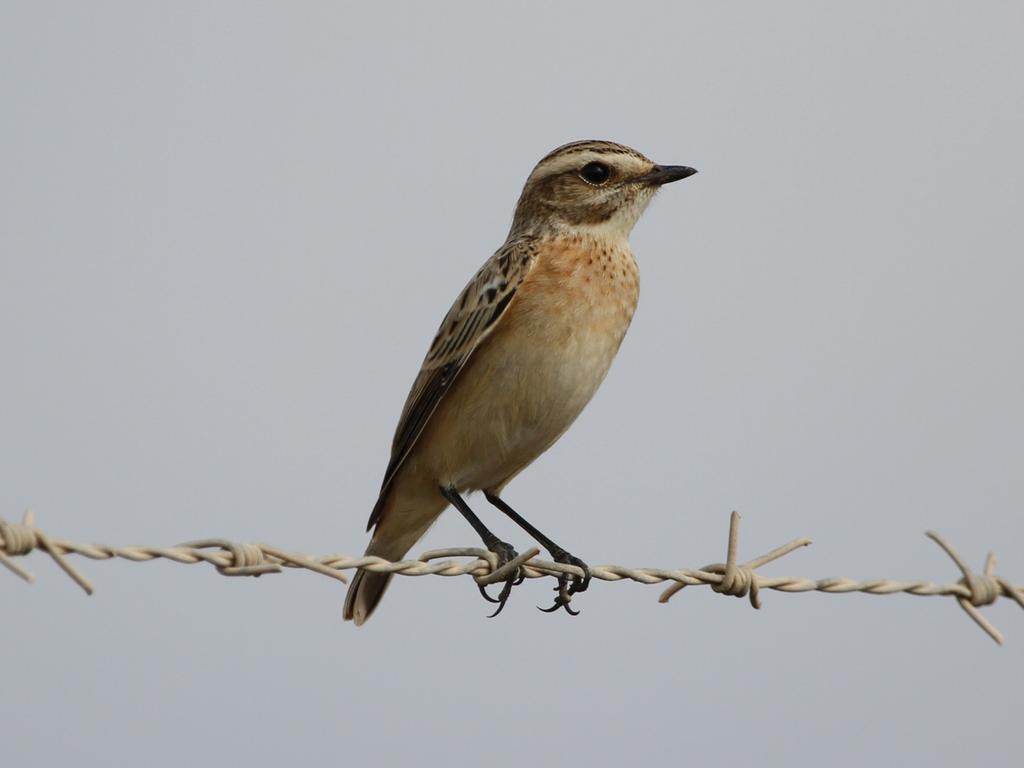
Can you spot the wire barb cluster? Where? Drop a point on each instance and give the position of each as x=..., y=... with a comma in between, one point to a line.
x=972, y=591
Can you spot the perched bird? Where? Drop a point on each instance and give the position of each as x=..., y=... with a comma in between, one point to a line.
x=520, y=353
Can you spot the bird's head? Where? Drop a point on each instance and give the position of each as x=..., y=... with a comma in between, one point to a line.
x=595, y=186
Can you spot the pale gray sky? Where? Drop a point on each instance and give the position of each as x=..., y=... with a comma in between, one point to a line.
x=229, y=232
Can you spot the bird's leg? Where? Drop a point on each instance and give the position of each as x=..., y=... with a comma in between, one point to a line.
x=503, y=550
x=565, y=589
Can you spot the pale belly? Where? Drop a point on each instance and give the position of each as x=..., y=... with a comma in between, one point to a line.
x=526, y=383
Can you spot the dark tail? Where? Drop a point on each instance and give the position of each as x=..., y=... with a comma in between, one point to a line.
x=367, y=588
x=364, y=593
x=394, y=535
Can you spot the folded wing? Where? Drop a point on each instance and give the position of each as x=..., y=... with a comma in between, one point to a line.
x=475, y=313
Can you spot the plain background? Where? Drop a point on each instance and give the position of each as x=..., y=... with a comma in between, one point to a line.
x=229, y=231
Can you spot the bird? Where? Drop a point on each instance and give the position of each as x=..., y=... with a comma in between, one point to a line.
x=522, y=350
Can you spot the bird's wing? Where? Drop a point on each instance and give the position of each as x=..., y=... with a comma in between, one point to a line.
x=471, y=319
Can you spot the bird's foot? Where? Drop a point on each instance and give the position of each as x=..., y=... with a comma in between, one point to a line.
x=568, y=585
x=505, y=554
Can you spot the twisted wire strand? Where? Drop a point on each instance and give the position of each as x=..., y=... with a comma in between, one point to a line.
x=972, y=591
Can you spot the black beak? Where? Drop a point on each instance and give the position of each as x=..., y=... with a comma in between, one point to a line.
x=665, y=174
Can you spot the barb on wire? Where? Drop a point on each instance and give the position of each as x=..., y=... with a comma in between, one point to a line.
x=982, y=589
x=230, y=558
x=738, y=580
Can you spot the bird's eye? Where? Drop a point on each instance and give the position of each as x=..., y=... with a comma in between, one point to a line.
x=595, y=173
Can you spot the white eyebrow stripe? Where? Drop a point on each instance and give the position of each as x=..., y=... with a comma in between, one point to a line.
x=576, y=160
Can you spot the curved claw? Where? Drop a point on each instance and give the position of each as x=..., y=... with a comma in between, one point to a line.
x=578, y=584
x=502, y=597
x=563, y=598
x=569, y=585
x=505, y=554
x=559, y=603
x=483, y=593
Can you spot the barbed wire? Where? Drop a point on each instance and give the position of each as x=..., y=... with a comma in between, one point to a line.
x=973, y=591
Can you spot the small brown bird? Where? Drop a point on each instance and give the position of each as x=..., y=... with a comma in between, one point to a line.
x=520, y=353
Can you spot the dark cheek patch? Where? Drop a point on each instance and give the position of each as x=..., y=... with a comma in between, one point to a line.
x=576, y=203
x=572, y=200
